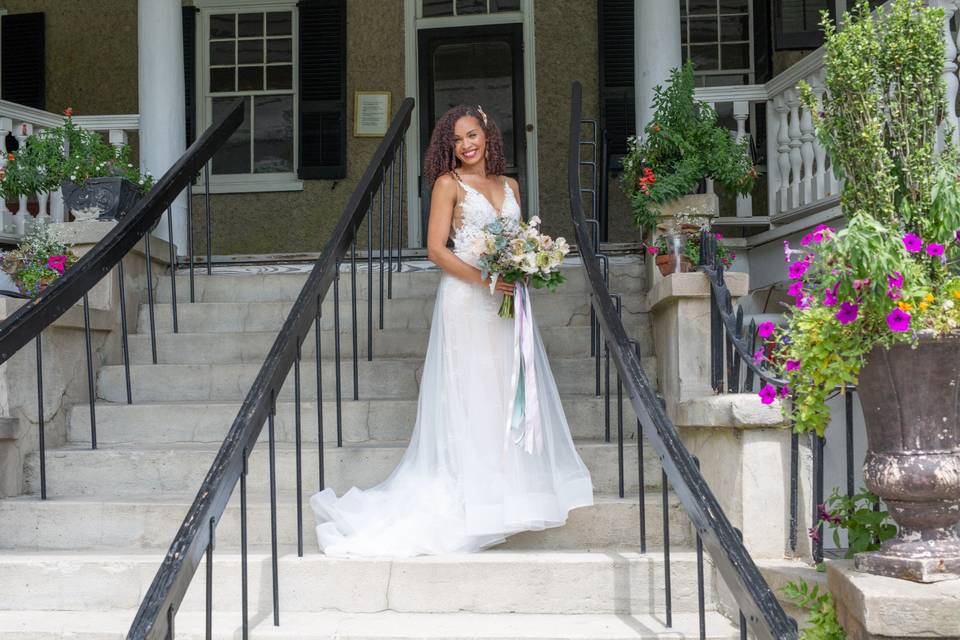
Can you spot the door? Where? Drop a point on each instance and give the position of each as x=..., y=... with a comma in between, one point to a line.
x=474, y=65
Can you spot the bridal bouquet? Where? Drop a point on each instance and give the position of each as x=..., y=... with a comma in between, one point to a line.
x=519, y=253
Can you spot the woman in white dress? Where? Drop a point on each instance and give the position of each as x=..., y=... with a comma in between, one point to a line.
x=464, y=483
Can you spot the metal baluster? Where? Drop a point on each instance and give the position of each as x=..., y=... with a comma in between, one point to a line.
x=153, y=324
x=171, y=616
x=370, y=282
x=209, y=585
x=403, y=151
x=190, y=247
x=208, y=217
x=666, y=547
x=817, y=444
x=716, y=339
x=701, y=590
x=123, y=332
x=619, y=306
x=382, y=194
x=43, y=446
x=752, y=332
x=743, y=618
x=353, y=309
x=336, y=348
x=640, y=472
x=848, y=423
x=393, y=171
x=299, y=448
x=735, y=361
x=173, y=269
x=243, y=549
x=794, y=487
x=606, y=390
x=91, y=389
x=273, y=509
x=319, y=394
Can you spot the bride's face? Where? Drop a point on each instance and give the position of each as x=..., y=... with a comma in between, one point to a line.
x=469, y=141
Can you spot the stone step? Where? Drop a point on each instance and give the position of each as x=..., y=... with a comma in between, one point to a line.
x=550, y=309
x=362, y=421
x=73, y=524
x=252, y=347
x=335, y=625
x=627, y=276
x=381, y=378
x=168, y=472
x=491, y=582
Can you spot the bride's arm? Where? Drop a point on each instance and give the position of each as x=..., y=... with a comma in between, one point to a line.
x=442, y=202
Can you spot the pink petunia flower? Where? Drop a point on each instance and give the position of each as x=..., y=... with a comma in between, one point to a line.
x=848, y=312
x=758, y=356
x=912, y=242
x=806, y=240
x=793, y=365
x=898, y=320
x=795, y=289
x=935, y=250
x=797, y=269
x=765, y=330
x=830, y=295
x=57, y=263
x=784, y=391
x=653, y=251
x=718, y=236
x=768, y=394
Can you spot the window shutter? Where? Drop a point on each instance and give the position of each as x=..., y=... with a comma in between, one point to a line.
x=797, y=23
x=323, y=89
x=22, y=78
x=617, y=112
x=190, y=70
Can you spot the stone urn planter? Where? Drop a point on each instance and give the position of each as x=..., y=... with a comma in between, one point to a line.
x=106, y=198
x=911, y=406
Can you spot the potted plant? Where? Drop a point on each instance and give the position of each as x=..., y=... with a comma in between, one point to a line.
x=678, y=250
x=682, y=146
x=37, y=261
x=98, y=179
x=877, y=303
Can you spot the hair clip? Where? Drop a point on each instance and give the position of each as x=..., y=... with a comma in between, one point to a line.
x=482, y=114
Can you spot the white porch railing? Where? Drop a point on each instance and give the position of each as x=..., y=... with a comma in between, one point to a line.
x=800, y=179
x=21, y=122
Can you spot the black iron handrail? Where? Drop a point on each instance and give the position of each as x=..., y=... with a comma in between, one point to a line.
x=734, y=564
x=154, y=619
x=33, y=317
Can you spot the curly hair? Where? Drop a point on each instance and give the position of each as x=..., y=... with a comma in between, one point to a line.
x=440, y=157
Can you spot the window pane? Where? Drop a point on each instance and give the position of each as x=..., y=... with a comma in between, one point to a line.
x=735, y=28
x=250, y=79
x=703, y=6
x=250, y=24
x=273, y=135
x=222, y=25
x=703, y=30
x=504, y=5
x=279, y=23
x=433, y=8
x=734, y=6
x=735, y=56
x=279, y=50
x=683, y=8
x=465, y=7
x=683, y=32
x=280, y=77
x=234, y=155
x=222, y=80
x=704, y=57
x=250, y=52
x=221, y=52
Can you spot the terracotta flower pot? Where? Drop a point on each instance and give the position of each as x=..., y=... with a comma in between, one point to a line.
x=668, y=264
x=911, y=406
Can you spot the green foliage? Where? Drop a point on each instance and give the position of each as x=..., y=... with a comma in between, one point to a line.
x=53, y=156
x=691, y=248
x=822, y=623
x=866, y=528
x=889, y=274
x=37, y=261
x=681, y=146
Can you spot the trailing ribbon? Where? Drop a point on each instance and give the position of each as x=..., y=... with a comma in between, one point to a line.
x=524, y=424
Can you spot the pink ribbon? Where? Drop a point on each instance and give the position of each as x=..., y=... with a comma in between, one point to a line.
x=524, y=411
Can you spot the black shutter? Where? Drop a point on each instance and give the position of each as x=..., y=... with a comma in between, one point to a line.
x=190, y=70
x=615, y=38
x=23, y=56
x=797, y=23
x=323, y=89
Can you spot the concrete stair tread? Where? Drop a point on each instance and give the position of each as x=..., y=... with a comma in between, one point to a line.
x=113, y=625
x=281, y=447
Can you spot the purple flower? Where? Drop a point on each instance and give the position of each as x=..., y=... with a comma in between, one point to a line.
x=898, y=320
x=57, y=263
x=912, y=242
x=768, y=394
x=847, y=313
x=830, y=295
x=894, y=284
x=803, y=302
x=814, y=534
x=935, y=250
x=765, y=330
x=793, y=365
x=797, y=269
x=784, y=391
x=806, y=240
x=758, y=356
x=956, y=235
x=796, y=289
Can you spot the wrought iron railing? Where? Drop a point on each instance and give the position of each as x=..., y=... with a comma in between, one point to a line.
x=28, y=322
x=760, y=608
x=381, y=185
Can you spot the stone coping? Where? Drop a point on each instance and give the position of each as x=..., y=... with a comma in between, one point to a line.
x=8, y=428
x=730, y=410
x=693, y=285
x=879, y=607
x=90, y=232
x=72, y=318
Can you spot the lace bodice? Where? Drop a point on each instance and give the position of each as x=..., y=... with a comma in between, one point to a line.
x=477, y=212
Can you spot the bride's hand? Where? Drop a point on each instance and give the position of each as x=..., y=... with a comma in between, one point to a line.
x=501, y=287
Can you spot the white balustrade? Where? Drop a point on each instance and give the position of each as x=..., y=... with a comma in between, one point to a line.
x=21, y=122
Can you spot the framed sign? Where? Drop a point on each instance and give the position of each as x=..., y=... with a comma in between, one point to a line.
x=371, y=114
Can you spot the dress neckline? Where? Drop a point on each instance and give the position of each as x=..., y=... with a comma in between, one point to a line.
x=499, y=211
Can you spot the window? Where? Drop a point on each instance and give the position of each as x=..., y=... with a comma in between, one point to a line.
x=717, y=36
x=797, y=22
x=439, y=8
x=249, y=52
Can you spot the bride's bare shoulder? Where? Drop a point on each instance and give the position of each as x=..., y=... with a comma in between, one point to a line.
x=514, y=185
x=445, y=185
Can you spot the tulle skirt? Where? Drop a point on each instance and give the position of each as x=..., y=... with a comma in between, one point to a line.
x=458, y=488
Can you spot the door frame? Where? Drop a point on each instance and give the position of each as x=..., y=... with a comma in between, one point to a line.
x=412, y=26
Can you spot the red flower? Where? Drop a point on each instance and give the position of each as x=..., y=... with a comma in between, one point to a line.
x=68, y=112
x=9, y=157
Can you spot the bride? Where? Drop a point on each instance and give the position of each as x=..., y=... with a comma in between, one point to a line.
x=464, y=483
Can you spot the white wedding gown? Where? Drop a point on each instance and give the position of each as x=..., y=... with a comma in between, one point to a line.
x=458, y=488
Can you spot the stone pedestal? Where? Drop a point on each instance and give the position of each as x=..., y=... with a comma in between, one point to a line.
x=875, y=607
x=699, y=208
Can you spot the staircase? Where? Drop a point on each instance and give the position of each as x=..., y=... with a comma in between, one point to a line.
x=77, y=565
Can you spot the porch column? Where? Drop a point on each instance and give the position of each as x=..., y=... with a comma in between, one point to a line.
x=656, y=51
x=161, y=99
